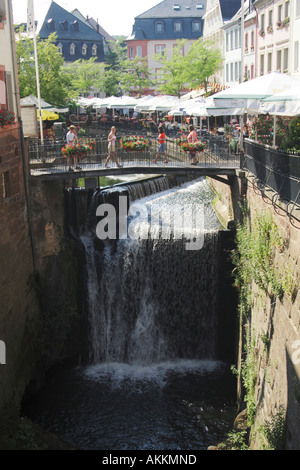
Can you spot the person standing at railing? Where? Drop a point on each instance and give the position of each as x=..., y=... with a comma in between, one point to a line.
x=162, y=145
x=192, y=138
x=71, y=140
x=112, y=152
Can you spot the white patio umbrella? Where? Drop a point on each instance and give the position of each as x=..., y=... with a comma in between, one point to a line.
x=285, y=103
x=248, y=94
x=122, y=102
x=33, y=100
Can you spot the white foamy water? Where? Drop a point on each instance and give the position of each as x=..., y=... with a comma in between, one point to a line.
x=119, y=375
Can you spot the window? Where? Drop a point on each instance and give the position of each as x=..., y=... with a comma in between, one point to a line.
x=227, y=72
x=236, y=73
x=252, y=39
x=84, y=49
x=269, y=62
x=279, y=60
x=262, y=22
x=287, y=9
x=231, y=72
x=246, y=42
x=160, y=49
x=51, y=24
x=231, y=40
x=296, y=56
x=262, y=64
x=227, y=41
x=159, y=27
x=2, y=88
x=285, y=59
x=252, y=71
x=280, y=12
x=72, y=49
x=196, y=26
x=270, y=22
x=139, y=51
x=5, y=184
x=236, y=39
x=297, y=8
x=60, y=48
x=94, y=50
x=177, y=26
x=64, y=25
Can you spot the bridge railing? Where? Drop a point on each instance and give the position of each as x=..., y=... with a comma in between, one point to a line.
x=219, y=153
x=273, y=169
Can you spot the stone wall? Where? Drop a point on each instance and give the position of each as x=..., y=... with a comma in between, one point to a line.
x=274, y=323
x=19, y=307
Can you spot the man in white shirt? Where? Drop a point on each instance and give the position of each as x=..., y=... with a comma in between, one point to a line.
x=71, y=140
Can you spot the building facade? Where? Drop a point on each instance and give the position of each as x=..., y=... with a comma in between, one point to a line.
x=75, y=39
x=273, y=51
x=158, y=30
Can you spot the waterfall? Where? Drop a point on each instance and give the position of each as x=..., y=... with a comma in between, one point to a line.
x=150, y=299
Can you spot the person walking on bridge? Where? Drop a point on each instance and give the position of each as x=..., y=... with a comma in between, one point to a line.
x=162, y=145
x=112, y=148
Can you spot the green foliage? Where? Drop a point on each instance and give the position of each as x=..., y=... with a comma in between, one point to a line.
x=236, y=440
x=261, y=129
x=254, y=260
x=172, y=76
x=274, y=431
x=249, y=377
x=292, y=140
x=52, y=75
x=203, y=60
x=84, y=74
x=135, y=75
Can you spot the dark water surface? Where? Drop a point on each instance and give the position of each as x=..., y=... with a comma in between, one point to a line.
x=183, y=405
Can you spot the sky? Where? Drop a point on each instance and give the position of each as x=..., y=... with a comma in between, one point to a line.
x=115, y=16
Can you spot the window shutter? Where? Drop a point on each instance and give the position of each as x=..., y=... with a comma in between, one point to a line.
x=9, y=91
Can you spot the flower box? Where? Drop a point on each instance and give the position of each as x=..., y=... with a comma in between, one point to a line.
x=134, y=144
x=6, y=118
x=80, y=149
x=186, y=146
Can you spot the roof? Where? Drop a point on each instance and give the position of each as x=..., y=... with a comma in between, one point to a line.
x=67, y=26
x=92, y=24
x=229, y=8
x=176, y=9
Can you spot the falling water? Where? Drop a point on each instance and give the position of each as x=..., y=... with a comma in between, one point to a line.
x=155, y=377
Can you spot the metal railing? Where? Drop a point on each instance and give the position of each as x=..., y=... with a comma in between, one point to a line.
x=273, y=169
x=219, y=153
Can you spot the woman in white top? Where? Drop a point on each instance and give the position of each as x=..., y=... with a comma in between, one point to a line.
x=112, y=147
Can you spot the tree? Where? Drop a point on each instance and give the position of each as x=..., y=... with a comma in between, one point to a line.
x=172, y=78
x=202, y=61
x=85, y=74
x=135, y=75
x=52, y=75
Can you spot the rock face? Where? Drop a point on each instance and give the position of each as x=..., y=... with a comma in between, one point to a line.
x=241, y=421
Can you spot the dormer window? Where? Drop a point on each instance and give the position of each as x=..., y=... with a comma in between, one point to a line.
x=177, y=26
x=176, y=7
x=159, y=27
x=72, y=49
x=51, y=24
x=64, y=25
x=75, y=25
x=60, y=48
x=200, y=6
x=94, y=50
x=84, y=49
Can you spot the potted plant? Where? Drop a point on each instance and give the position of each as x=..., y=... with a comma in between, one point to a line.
x=6, y=118
x=2, y=15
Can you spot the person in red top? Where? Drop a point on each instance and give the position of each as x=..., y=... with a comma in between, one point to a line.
x=162, y=145
x=192, y=137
